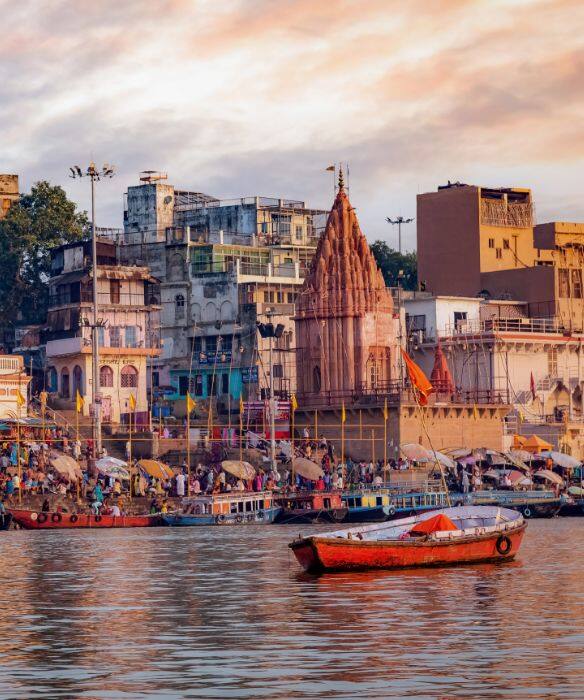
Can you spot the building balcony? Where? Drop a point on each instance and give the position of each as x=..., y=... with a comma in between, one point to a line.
x=81, y=345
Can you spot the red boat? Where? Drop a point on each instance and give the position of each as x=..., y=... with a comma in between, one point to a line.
x=463, y=535
x=313, y=507
x=31, y=520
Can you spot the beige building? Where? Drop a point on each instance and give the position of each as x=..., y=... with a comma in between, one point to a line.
x=8, y=193
x=13, y=381
x=129, y=305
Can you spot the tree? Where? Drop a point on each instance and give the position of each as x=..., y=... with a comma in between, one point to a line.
x=391, y=263
x=34, y=225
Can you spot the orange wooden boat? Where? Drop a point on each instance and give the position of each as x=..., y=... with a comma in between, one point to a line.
x=463, y=535
x=31, y=520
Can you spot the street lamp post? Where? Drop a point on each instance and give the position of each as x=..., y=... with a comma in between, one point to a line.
x=268, y=330
x=399, y=221
x=94, y=174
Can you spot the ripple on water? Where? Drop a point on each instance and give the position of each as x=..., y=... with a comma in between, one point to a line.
x=213, y=612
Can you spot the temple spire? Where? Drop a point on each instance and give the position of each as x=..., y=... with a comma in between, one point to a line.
x=341, y=179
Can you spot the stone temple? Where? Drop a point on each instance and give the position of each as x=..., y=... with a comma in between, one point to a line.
x=346, y=328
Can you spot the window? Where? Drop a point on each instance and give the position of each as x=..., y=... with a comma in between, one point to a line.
x=77, y=380
x=198, y=385
x=51, y=379
x=211, y=345
x=65, y=392
x=506, y=243
x=291, y=299
x=131, y=337
x=577, y=284
x=280, y=297
x=553, y=362
x=564, y=283
x=498, y=253
x=183, y=385
x=197, y=346
x=459, y=319
x=106, y=376
x=316, y=379
x=179, y=306
x=278, y=371
x=224, y=383
x=115, y=333
x=155, y=379
x=491, y=242
x=115, y=288
x=129, y=377
x=101, y=336
x=416, y=323
x=210, y=384
x=299, y=233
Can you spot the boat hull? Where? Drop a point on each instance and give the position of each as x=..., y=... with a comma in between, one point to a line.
x=319, y=554
x=256, y=518
x=367, y=514
x=295, y=517
x=30, y=520
x=575, y=509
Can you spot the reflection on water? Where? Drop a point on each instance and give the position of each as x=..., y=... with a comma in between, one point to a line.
x=226, y=612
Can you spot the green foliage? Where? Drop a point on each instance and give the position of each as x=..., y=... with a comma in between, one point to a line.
x=391, y=263
x=40, y=221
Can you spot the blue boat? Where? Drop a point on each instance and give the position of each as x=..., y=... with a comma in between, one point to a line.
x=238, y=508
x=531, y=504
x=404, y=504
x=367, y=506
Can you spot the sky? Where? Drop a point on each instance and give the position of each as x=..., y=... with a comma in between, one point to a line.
x=257, y=97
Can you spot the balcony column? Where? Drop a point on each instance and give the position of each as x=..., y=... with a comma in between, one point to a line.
x=297, y=270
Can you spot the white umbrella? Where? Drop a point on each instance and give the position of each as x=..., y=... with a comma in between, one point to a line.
x=561, y=459
x=111, y=466
x=550, y=476
x=445, y=460
x=418, y=453
x=242, y=470
x=307, y=468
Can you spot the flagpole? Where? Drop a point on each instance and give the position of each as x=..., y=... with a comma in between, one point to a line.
x=240, y=435
x=189, y=445
x=18, y=465
x=130, y=450
x=372, y=445
x=76, y=440
x=384, y=434
x=343, y=434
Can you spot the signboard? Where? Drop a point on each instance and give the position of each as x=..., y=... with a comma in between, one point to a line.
x=249, y=375
x=220, y=357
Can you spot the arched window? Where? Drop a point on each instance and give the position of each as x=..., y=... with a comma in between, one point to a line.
x=77, y=380
x=65, y=389
x=179, y=306
x=106, y=376
x=129, y=376
x=316, y=382
x=51, y=379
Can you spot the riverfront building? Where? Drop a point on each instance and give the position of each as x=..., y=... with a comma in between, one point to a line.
x=224, y=266
x=128, y=332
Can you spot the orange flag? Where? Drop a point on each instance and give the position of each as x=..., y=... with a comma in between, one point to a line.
x=418, y=379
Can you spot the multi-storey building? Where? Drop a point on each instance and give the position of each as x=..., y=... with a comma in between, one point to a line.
x=128, y=332
x=8, y=193
x=13, y=381
x=224, y=265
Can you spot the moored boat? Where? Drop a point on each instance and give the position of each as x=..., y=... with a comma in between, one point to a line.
x=461, y=535
x=531, y=504
x=31, y=520
x=312, y=507
x=233, y=508
x=367, y=506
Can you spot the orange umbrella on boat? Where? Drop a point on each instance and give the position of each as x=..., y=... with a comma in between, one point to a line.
x=307, y=468
x=156, y=469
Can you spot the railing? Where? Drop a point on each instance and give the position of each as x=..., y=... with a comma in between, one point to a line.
x=243, y=201
x=11, y=364
x=85, y=296
x=501, y=325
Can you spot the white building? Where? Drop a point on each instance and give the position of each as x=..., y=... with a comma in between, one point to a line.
x=13, y=381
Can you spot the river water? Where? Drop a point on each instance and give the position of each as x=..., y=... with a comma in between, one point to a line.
x=226, y=613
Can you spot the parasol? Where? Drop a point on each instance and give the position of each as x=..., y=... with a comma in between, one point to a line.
x=111, y=466
x=242, y=470
x=550, y=476
x=307, y=468
x=418, y=453
x=561, y=459
x=65, y=465
x=156, y=469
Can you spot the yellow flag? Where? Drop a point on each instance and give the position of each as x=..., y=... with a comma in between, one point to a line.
x=79, y=402
x=520, y=416
x=343, y=414
x=43, y=399
x=293, y=402
x=475, y=412
x=241, y=404
x=20, y=400
x=191, y=403
x=132, y=402
x=385, y=411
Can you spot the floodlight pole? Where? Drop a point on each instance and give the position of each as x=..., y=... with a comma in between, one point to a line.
x=399, y=221
x=94, y=174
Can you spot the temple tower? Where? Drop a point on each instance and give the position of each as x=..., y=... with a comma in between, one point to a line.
x=345, y=323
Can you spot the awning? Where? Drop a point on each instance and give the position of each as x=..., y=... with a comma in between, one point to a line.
x=156, y=469
x=550, y=476
x=307, y=468
x=242, y=470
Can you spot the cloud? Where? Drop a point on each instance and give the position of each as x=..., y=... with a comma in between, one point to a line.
x=252, y=96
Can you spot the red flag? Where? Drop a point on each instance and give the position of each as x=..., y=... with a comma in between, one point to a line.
x=532, y=386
